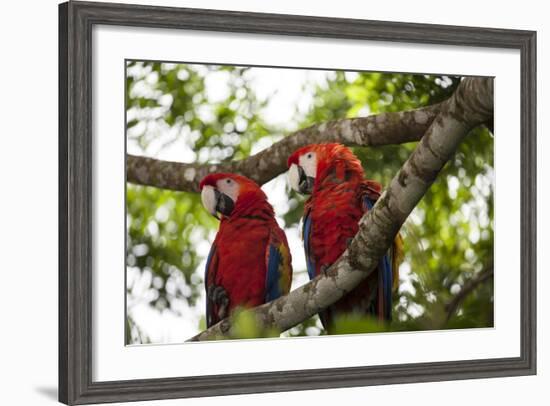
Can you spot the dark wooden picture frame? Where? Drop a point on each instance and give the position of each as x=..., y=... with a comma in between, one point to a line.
x=76, y=20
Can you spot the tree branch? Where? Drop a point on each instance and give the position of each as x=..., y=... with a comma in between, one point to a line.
x=382, y=129
x=469, y=106
x=468, y=288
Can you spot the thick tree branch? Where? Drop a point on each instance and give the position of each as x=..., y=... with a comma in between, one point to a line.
x=469, y=106
x=382, y=129
x=468, y=288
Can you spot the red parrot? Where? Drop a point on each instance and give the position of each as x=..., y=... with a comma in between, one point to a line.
x=249, y=262
x=340, y=196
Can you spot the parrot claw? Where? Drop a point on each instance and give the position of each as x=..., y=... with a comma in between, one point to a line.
x=324, y=269
x=218, y=296
x=223, y=305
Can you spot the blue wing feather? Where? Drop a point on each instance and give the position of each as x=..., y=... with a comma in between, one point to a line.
x=385, y=273
x=387, y=285
x=306, y=235
x=273, y=286
x=206, y=271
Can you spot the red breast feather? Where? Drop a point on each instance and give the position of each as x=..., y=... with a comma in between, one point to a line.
x=241, y=244
x=336, y=206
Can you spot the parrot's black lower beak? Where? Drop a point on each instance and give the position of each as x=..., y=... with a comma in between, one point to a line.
x=305, y=184
x=224, y=204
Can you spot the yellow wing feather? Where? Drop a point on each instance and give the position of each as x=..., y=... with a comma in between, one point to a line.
x=285, y=270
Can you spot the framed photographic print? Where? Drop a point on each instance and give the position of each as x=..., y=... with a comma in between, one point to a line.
x=260, y=202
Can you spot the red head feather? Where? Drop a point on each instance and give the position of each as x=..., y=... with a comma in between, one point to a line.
x=330, y=156
x=250, y=196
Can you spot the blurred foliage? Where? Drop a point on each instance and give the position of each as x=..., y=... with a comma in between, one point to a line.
x=245, y=326
x=172, y=98
x=448, y=238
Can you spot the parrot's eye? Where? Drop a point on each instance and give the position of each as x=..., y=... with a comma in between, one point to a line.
x=228, y=181
x=309, y=155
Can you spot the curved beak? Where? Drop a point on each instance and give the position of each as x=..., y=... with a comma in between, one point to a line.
x=216, y=202
x=299, y=181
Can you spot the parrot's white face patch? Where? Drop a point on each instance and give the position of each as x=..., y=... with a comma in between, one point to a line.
x=229, y=187
x=308, y=162
x=208, y=198
x=294, y=177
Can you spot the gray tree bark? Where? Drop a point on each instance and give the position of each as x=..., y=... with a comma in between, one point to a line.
x=470, y=106
x=382, y=129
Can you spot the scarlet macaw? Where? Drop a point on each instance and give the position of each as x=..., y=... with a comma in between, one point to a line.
x=340, y=196
x=249, y=262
